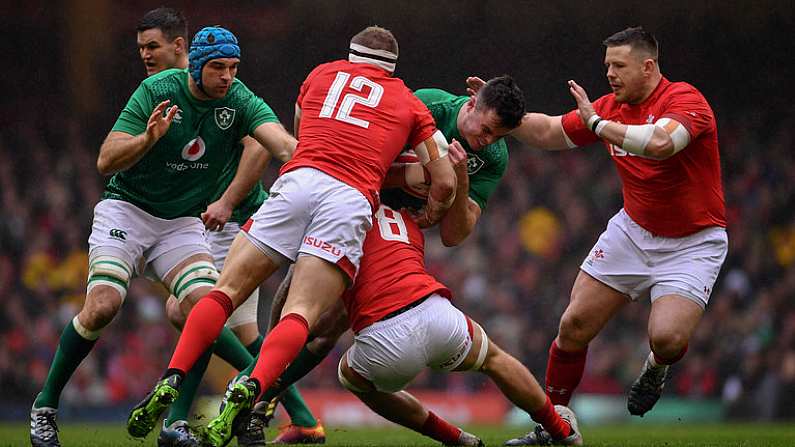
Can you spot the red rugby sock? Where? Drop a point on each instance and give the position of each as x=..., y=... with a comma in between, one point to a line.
x=551, y=420
x=440, y=430
x=280, y=348
x=564, y=372
x=204, y=324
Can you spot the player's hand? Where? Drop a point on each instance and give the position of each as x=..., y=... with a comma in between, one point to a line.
x=456, y=153
x=159, y=122
x=584, y=106
x=216, y=215
x=474, y=84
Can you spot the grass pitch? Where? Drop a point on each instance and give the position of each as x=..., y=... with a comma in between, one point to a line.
x=639, y=434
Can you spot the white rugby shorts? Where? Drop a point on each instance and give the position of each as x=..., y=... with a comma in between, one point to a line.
x=153, y=246
x=639, y=264
x=392, y=352
x=312, y=213
x=219, y=242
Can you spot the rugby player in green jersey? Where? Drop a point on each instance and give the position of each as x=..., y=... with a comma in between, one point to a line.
x=161, y=42
x=479, y=124
x=174, y=139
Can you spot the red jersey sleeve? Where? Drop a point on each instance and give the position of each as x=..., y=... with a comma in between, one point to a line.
x=424, y=125
x=305, y=85
x=689, y=107
x=575, y=129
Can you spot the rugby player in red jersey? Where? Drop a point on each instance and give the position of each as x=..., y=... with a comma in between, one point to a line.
x=404, y=322
x=669, y=241
x=353, y=118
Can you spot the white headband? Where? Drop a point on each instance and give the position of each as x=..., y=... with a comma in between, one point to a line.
x=360, y=54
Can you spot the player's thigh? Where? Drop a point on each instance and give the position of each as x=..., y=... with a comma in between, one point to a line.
x=246, y=266
x=592, y=305
x=317, y=284
x=480, y=348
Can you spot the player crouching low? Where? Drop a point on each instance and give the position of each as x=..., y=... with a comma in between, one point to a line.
x=404, y=322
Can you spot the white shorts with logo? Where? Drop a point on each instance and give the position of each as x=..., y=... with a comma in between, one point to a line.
x=220, y=241
x=150, y=245
x=392, y=352
x=312, y=213
x=639, y=264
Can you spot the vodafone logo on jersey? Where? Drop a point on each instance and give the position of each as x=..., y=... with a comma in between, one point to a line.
x=194, y=150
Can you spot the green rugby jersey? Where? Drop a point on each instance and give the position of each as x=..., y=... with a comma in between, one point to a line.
x=485, y=166
x=180, y=175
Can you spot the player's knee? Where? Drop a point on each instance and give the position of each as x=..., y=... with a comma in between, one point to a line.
x=667, y=343
x=574, y=330
x=193, y=281
x=174, y=313
x=102, y=304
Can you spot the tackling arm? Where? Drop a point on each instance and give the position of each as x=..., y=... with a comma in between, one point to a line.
x=460, y=219
x=433, y=155
x=542, y=131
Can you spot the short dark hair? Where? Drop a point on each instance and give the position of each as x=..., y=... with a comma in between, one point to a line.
x=168, y=20
x=506, y=98
x=637, y=38
x=376, y=38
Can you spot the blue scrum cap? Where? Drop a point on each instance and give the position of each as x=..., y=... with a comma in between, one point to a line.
x=211, y=42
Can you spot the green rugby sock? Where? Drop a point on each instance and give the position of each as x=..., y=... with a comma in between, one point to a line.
x=180, y=409
x=295, y=406
x=72, y=349
x=301, y=366
x=254, y=347
x=231, y=350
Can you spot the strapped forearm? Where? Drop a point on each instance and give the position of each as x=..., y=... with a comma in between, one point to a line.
x=659, y=140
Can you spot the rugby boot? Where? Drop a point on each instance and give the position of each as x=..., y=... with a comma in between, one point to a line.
x=295, y=434
x=539, y=436
x=144, y=416
x=238, y=403
x=178, y=434
x=468, y=440
x=646, y=389
x=43, y=429
x=250, y=430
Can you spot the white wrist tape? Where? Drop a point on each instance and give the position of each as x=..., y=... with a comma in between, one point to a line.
x=432, y=149
x=637, y=137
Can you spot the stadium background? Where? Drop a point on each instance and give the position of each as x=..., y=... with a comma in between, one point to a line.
x=71, y=65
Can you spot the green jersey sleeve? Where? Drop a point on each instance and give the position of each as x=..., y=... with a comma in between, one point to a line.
x=484, y=176
x=135, y=115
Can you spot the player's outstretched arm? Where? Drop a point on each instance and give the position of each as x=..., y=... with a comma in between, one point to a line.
x=659, y=141
x=121, y=150
x=275, y=138
x=253, y=162
x=460, y=219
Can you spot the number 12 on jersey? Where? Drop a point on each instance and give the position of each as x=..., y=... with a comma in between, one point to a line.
x=350, y=100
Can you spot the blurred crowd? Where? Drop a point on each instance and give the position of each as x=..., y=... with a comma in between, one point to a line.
x=513, y=275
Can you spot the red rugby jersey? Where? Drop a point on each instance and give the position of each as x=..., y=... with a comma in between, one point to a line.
x=392, y=271
x=355, y=120
x=677, y=196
